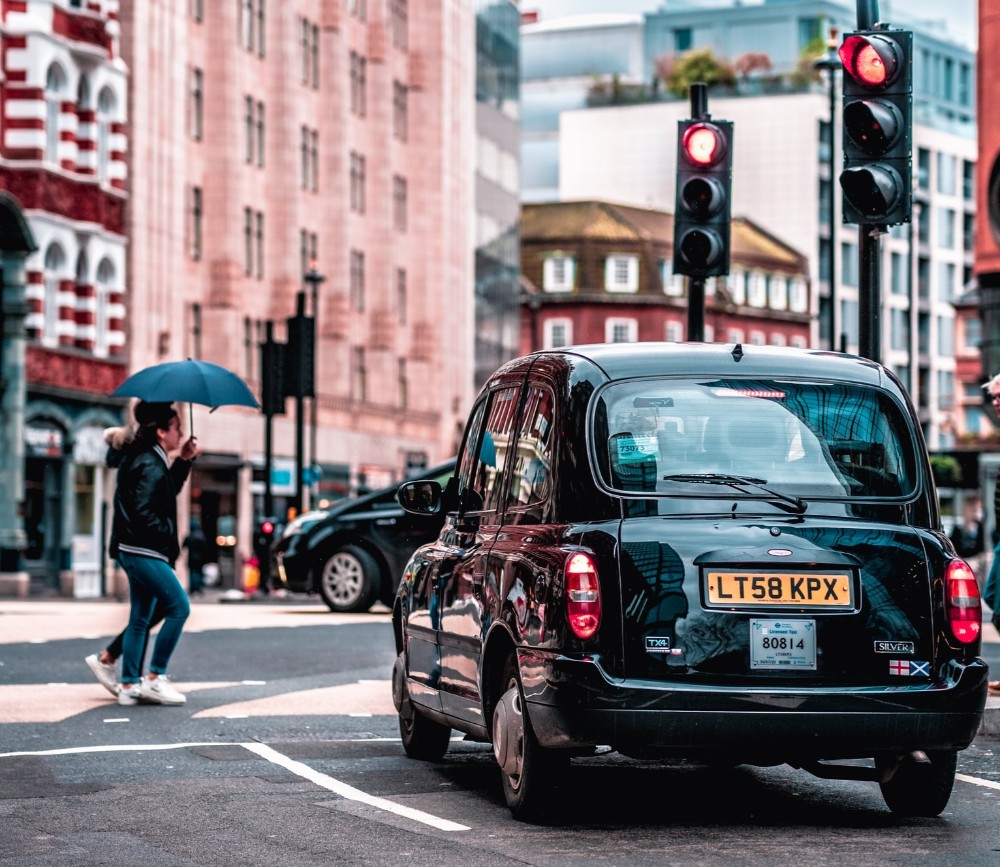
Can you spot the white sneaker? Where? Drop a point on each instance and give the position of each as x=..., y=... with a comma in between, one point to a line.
x=129, y=694
x=159, y=690
x=104, y=673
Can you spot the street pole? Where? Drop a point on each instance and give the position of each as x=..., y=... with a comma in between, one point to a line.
x=313, y=278
x=300, y=311
x=831, y=63
x=869, y=294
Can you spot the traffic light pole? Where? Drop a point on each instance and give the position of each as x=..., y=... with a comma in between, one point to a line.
x=300, y=445
x=268, y=434
x=696, y=309
x=870, y=294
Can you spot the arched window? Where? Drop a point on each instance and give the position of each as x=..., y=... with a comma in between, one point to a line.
x=55, y=264
x=106, y=104
x=83, y=92
x=105, y=286
x=55, y=86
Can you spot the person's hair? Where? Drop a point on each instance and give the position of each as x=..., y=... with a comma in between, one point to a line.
x=151, y=417
x=993, y=383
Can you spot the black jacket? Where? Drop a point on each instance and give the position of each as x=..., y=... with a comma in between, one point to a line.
x=145, y=516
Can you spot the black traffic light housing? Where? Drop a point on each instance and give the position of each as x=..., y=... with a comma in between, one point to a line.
x=878, y=127
x=263, y=537
x=703, y=202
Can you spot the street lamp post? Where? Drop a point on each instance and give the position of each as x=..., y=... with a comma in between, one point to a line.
x=831, y=63
x=313, y=278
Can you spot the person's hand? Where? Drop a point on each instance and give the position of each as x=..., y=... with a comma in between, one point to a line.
x=190, y=450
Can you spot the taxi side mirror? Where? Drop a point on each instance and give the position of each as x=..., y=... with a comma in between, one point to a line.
x=421, y=497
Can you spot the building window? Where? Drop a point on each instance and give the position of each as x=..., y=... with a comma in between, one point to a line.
x=399, y=202
x=196, y=223
x=849, y=264
x=106, y=105
x=247, y=23
x=673, y=284
x=757, y=289
x=310, y=54
x=734, y=335
x=359, y=72
x=558, y=273
x=260, y=28
x=55, y=86
x=249, y=121
x=357, y=284
x=557, y=332
x=198, y=10
x=260, y=134
x=105, y=285
x=683, y=39
x=777, y=292
x=260, y=245
x=402, y=383
x=757, y=337
x=946, y=228
x=358, y=8
x=359, y=374
x=248, y=241
x=947, y=180
x=197, y=104
x=621, y=274
x=798, y=295
x=923, y=169
x=778, y=339
x=401, y=296
x=357, y=182
x=314, y=161
x=308, y=249
x=737, y=284
x=674, y=332
x=400, y=120
x=618, y=330
x=54, y=265
x=968, y=180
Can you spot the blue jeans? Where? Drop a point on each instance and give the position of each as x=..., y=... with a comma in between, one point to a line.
x=151, y=580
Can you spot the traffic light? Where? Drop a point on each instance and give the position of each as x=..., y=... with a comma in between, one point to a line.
x=878, y=124
x=272, y=376
x=263, y=536
x=702, y=206
x=300, y=359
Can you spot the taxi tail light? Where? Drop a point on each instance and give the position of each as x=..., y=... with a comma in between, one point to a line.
x=583, y=595
x=962, y=601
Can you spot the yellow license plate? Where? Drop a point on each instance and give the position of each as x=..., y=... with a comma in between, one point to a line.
x=785, y=589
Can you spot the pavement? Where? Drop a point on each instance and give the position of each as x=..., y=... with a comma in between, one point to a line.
x=33, y=621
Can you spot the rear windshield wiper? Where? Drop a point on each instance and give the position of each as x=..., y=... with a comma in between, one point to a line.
x=783, y=501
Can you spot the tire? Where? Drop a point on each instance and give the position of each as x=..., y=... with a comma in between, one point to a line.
x=530, y=773
x=921, y=789
x=348, y=579
x=422, y=738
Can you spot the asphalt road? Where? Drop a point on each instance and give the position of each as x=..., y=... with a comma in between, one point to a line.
x=287, y=753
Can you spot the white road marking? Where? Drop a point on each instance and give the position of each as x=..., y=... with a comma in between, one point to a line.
x=253, y=682
x=989, y=784
x=265, y=752
x=118, y=719
x=349, y=792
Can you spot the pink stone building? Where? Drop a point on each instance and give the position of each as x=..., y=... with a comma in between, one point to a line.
x=268, y=136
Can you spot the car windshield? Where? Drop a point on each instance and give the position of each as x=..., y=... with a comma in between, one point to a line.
x=800, y=439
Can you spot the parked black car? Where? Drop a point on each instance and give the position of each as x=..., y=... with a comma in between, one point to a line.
x=353, y=552
x=721, y=553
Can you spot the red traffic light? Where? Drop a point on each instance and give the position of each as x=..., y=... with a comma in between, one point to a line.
x=704, y=144
x=267, y=528
x=872, y=61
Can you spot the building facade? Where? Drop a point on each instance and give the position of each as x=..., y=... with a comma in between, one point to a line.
x=63, y=155
x=599, y=272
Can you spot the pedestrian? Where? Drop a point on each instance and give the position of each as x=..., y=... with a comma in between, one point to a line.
x=991, y=592
x=197, y=551
x=144, y=541
x=104, y=664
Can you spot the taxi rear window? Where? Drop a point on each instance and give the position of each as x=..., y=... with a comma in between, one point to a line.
x=807, y=439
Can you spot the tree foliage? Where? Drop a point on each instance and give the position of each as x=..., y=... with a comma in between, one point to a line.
x=693, y=66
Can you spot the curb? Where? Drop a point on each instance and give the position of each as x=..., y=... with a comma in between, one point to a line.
x=990, y=726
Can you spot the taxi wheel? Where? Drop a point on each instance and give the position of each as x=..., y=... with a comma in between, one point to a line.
x=348, y=579
x=529, y=772
x=919, y=788
x=422, y=737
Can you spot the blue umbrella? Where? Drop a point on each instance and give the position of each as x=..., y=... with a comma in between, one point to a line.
x=188, y=381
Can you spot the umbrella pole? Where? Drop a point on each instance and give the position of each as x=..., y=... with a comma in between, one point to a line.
x=190, y=419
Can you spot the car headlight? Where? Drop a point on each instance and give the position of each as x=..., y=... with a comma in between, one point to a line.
x=301, y=524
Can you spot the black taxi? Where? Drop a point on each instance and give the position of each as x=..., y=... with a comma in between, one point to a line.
x=715, y=552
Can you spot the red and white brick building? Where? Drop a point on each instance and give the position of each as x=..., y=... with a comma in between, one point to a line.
x=63, y=155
